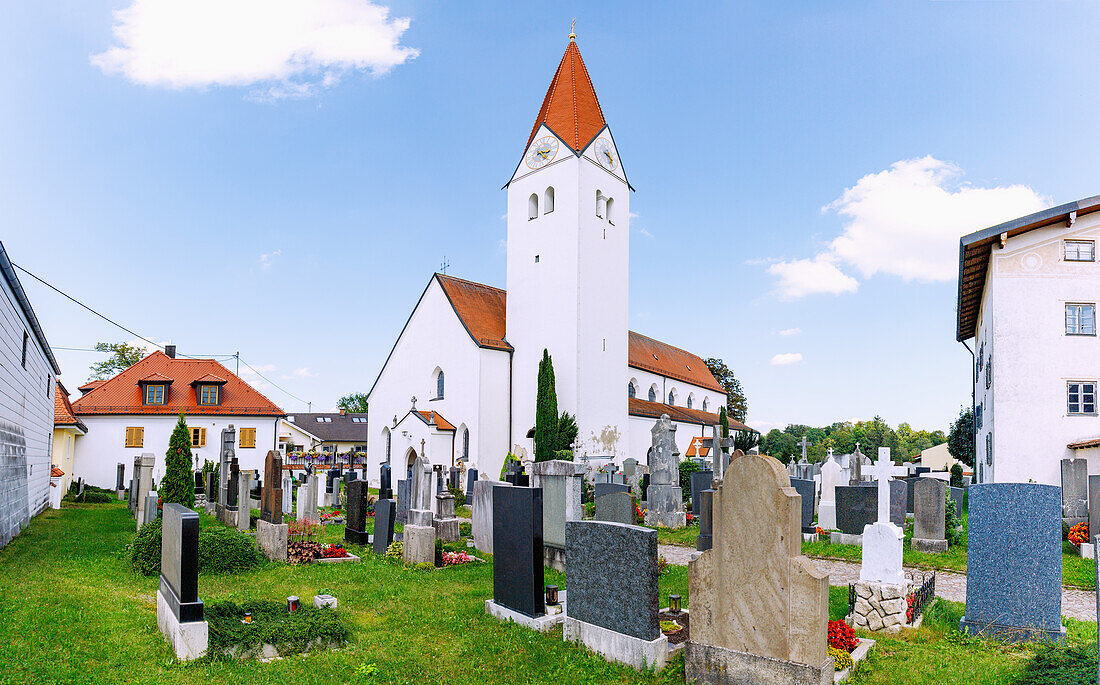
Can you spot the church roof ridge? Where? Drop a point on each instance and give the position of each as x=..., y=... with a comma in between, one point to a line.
x=571, y=108
x=467, y=281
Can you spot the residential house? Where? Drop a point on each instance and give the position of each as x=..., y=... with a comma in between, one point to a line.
x=340, y=433
x=135, y=411
x=67, y=428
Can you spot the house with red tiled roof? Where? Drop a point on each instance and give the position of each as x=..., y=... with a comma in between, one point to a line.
x=67, y=429
x=135, y=411
x=459, y=385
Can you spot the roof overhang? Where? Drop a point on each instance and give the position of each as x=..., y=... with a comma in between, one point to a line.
x=8, y=270
x=974, y=251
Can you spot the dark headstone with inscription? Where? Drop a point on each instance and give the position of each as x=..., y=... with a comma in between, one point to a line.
x=385, y=490
x=271, y=498
x=518, y=550
x=355, y=528
x=385, y=511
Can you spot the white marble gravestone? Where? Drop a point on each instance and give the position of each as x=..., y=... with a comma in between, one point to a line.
x=831, y=476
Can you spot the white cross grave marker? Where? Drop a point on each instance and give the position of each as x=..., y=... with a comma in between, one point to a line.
x=804, y=444
x=882, y=471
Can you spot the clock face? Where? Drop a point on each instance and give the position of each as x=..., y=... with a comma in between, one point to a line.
x=605, y=154
x=542, y=152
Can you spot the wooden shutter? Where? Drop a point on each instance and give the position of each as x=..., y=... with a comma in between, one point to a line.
x=198, y=437
x=248, y=437
x=135, y=436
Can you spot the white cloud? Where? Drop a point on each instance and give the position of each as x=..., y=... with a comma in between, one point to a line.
x=801, y=277
x=645, y=233
x=790, y=331
x=286, y=48
x=905, y=221
x=267, y=258
x=786, y=358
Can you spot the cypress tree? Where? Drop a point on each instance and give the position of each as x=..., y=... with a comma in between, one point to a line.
x=546, y=410
x=178, y=484
x=724, y=422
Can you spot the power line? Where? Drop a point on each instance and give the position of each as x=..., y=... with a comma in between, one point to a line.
x=273, y=382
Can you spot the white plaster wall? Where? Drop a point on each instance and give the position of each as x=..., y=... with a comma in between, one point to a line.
x=434, y=337
x=99, y=452
x=1034, y=358
x=64, y=445
x=647, y=379
x=491, y=435
x=641, y=438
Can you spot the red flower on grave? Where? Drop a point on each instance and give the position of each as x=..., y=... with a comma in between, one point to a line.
x=841, y=636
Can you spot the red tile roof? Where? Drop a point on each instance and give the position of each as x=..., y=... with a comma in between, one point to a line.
x=434, y=417
x=665, y=360
x=209, y=378
x=56, y=472
x=480, y=308
x=63, y=410
x=653, y=410
x=122, y=394
x=699, y=447
x=571, y=108
x=155, y=378
x=90, y=385
x=1084, y=444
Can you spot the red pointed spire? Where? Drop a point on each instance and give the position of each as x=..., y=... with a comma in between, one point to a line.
x=571, y=108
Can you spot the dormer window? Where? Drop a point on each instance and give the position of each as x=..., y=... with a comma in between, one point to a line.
x=208, y=390
x=209, y=394
x=154, y=393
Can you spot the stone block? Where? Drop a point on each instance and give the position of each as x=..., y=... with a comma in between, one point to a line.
x=1014, y=590
x=418, y=544
x=711, y=665
x=883, y=548
x=616, y=507
x=616, y=646
x=542, y=623
x=481, y=521
x=272, y=538
x=190, y=639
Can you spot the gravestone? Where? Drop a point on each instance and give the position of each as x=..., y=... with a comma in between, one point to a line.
x=602, y=477
x=665, y=497
x=453, y=476
x=144, y=487
x=120, y=481
x=719, y=452
x=930, y=503
x=959, y=495
x=616, y=507
x=831, y=474
x=806, y=490
x=227, y=482
x=307, y=499
x=200, y=489
x=517, y=550
x=385, y=491
x=856, y=507
x=882, y=586
x=700, y=480
x=601, y=489
x=149, y=512
x=1094, y=505
x=355, y=525
x=758, y=607
x=471, y=478
x=645, y=484
x=561, y=484
x=287, y=493
x=211, y=493
x=418, y=536
x=244, y=508
x=271, y=497
x=1014, y=590
x=403, y=500
x=179, y=609
x=1075, y=491
x=855, y=467
x=481, y=520
x=518, y=479
x=910, y=492
x=630, y=467
x=705, y=539
x=445, y=522
x=611, y=573
x=385, y=511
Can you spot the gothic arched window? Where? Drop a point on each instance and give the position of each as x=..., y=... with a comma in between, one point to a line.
x=439, y=385
x=631, y=391
x=610, y=205
x=548, y=200
x=533, y=206
x=653, y=394
x=465, y=444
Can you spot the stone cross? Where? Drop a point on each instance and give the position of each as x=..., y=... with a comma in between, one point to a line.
x=665, y=453
x=882, y=471
x=719, y=446
x=422, y=441
x=804, y=444
x=414, y=402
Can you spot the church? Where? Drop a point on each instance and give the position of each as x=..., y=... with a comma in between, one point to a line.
x=459, y=385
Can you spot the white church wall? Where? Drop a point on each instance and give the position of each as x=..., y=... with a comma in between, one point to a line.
x=434, y=337
x=647, y=379
x=489, y=439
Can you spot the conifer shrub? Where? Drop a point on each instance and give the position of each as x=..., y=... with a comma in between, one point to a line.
x=178, y=485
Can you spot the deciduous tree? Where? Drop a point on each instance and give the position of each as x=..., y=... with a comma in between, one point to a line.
x=123, y=356
x=735, y=395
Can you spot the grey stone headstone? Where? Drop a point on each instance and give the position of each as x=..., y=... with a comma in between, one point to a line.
x=385, y=513
x=910, y=489
x=899, y=492
x=179, y=562
x=481, y=520
x=1094, y=504
x=630, y=466
x=560, y=482
x=149, y=513
x=1014, y=590
x=664, y=464
x=616, y=507
x=705, y=539
x=1075, y=490
x=602, y=477
x=518, y=550
x=700, y=480
x=611, y=575
x=120, y=482
x=959, y=496
x=806, y=489
x=930, y=497
x=602, y=489
x=403, y=487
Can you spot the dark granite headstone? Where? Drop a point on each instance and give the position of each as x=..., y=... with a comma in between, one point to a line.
x=959, y=495
x=179, y=562
x=439, y=480
x=910, y=493
x=611, y=575
x=355, y=526
x=132, y=503
x=233, y=484
x=705, y=539
x=922, y=469
x=385, y=511
x=519, y=479
x=403, y=489
x=471, y=478
x=856, y=507
x=602, y=489
x=899, y=494
x=700, y=480
x=385, y=490
x=271, y=497
x=211, y=487
x=199, y=485
x=645, y=483
x=616, y=507
x=453, y=475
x=806, y=489
x=120, y=482
x=517, y=549
x=1014, y=562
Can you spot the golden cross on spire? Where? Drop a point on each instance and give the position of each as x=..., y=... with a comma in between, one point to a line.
x=573, y=30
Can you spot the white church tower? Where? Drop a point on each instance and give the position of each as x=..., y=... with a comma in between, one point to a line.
x=568, y=256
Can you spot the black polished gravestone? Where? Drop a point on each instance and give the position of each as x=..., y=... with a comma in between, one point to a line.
x=601, y=489
x=705, y=539
x=856, y=507
x=403, y=488
x=471, y=478
x=700, y=481
x=200, y=486
x=898, y=495
x=517, y=549
x=355, y=528
x=518, y=479
x=806, y=490
x=385, y=511
x=120, y=483
x=211, y=487
x=385, y=490
x=910, y=491
x=611, y=574
x=179, y=562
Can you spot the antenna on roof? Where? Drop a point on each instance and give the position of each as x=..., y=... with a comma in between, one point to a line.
x=444, y=265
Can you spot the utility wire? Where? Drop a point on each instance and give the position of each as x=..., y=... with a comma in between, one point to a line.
x=157, y=345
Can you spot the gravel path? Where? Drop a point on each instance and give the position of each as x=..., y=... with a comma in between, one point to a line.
x=1079, y=604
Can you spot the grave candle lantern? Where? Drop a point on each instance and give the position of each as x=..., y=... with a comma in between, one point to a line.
x=247, y=617
x=552, y=595
x=674, y=604
x=292, y=603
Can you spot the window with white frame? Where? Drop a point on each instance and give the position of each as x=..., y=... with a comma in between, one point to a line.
x=1081, y=397
x=1080, y=251
x=1080, y=319
x=989, y=447
x=653, y=393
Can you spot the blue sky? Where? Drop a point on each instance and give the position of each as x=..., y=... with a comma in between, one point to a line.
x=200, y=186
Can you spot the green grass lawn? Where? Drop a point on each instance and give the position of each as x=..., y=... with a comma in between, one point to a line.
x=71, y=611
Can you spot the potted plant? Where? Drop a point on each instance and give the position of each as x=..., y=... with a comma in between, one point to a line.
x=670, y=627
